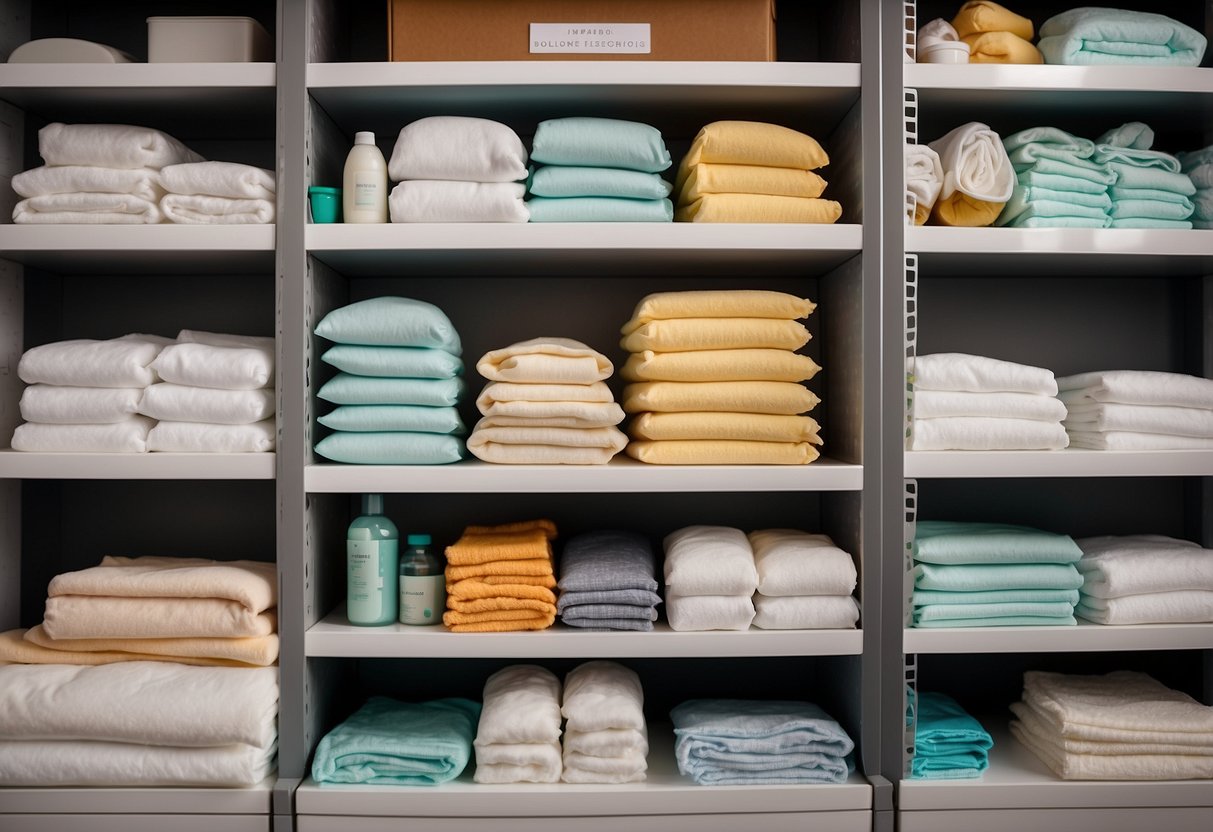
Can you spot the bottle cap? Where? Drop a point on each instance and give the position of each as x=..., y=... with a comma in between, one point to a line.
x=364, y=137
x=372, y=504
x=419, y=540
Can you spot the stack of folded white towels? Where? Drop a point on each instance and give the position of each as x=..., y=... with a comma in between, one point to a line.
x=606, y=739
x=458, y=169
x=1138, y=410
x=217, y=193
x=547, y=403
x=804, y=582
x=98, y=173
x=1145, y=579
x=710, y=579
x=518, y=737
x=973, y=403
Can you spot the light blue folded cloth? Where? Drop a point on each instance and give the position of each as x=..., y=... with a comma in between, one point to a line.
x=600, y=143
x=1150, y=222
x=1092, y=35
x=1063, y=165
x=1111, y=155
x=393, y=743
x=345, y=388
x=1010, y=621
x=990, y=576
x=1150, y=209
x=949, y=744
x=925, y=597
x=600, y=209
x=393, y=322
x=1033, y=178
x=957, y=612
x=569, y=181
x=393, y=362
x=1060, y=222
x=1135, y=176
x=391, y=448
x=1133, y=134
x=1050, y=138
x=952, y=542
x=1121, y=194
x=394, y=417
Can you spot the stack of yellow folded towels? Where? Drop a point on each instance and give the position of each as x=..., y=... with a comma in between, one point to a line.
x=717, y=380
x=996, y=35
x=500, y=578
x=749, y=171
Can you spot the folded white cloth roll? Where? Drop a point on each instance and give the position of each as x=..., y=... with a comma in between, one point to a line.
x=47, y=763
x=87, y=209
x=584, y=414
x=709, y=560
x=709, y=612
x=73, y=179
x=1188, y=606
x=518, y=762
x=936, y=31
x=603, y=695
x=546, y=360
x=54, y=405
x=502, y=391
x=979, y=374
x=924, y=175
x=111, y=146
x=935, y=404
x=806, y=612
x=179, y=403
x=119, y=362
x=978, y=433
x=194, y=209
x=629, y=767
x=221, y=367
x=1114, y=566
x=205, y=438
x=521, y=705
x=975, y=163
x=1123, y=440
x=1140, y=418
x=428, y=200
x=129, y=436
x=1138, y=387
x=793, y=562
x=226, y=179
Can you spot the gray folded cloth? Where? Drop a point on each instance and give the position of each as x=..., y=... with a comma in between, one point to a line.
x=607, y=560
x=604, y=611
x=631, y=597
x=610, y=624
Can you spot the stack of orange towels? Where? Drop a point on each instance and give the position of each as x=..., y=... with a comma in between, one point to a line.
x=500, y=578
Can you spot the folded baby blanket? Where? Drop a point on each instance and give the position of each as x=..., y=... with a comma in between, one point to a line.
x=118, y=362
x=554, y=413
x=1180, y=607
x=1120, y=440
x=937, y=404
x=128, y=436
x=709, y=560
x=777, y=397
x=1140, y=418
x=458, y=148
x=763, y=208
x=252, y=584
x=979, y=433
x=931, y=597
x=569, y=181
x=511, y=541
x=345, y=388
x=225, y=179
x=176, y=402
x=607, y=560
x=1137, y=387
x=949, y=744
x=806, y=612
x=687, y=334
x=1041, y=143
x=599, y=209
x=604, y=708
x=518, y=763
x=521, y=709
x=705, y=178
x=393, y=362
x=697, y=613
x=392, y=322
x=87, y=208
x=43, y=763
x=978, y=176
x=144, y=183
x=729, y=427
x=224, y=367
x=719, y=365
x=601, y=143
x=390, y=446
x=1133, y=766
x=924, y=179
x=111, y=146
x=992, y=576
x=54, y=405
x=751, y=143
x=734, y=303
x=990, y=614
x=608, y=442
x=950, y=542
x=234, y=652
x=98, y=616
x=1116, y=566
x=1033, y=722
x=548, y=360
x=195, y=209
x=498, y=392
x=615, y=598
x=428, y=200
x=1089, y=36
x=721, y=452
x=588, y=614
x=210, y=438
x=978, y=374
x=792, y=562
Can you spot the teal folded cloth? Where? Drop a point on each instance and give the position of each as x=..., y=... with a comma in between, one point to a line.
x=925, y=597
x=391, y=448
x=1150, y=194
x=1133, y=134
x=989, y=576
x=1030, y=203
x=1154, y=178
x=959, y=612
x=1049, y=138
x=600, y=209
x=1114, y=157
x=1064, y=165
x=569, y=181
x=393, y=322
x=1150, y=209
x=394, y=417
x=949, y=744
x=1010, y=621
x=1060, y=222
x=1090, y=35
x=391, y=743
x=600, y=143
x=951, y=542
x=393, y=362
x=1150, y=222
x=345, y=388
x=1034, y=178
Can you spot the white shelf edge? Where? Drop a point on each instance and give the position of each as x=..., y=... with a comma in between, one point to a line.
x=993, y=78
x=121, y=800
x=1084, y=637
x=1060, y=242
x=159, y=466
x=161, y=238
x=137, y=75
x=1070, y=462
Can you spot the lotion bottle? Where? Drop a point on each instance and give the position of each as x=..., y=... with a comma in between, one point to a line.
x=364, y=195
x=372, y=564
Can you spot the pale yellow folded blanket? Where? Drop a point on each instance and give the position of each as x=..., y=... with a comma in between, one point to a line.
x=978, y=16
x=752, y=143
x=558, y=414
x=504, y=391
x=720, y=303
x=504, y=621
x=603, y=420
x=719, y=365
x=722, y=452
x=472, y=589
x=707, y=178
x=780, y=397
x=526, y=540
x=753, y=427
x=542, y=454
x=546, y=361
x=250, y=583
x=960, y=209
x=751, y=208
x=537, y=568
x=35, y=647
x=83, y=616
x=1001, y=48
x=610, y=437
x=684, y=334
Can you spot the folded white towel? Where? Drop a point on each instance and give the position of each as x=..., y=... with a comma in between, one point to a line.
x=975, y=163
x=154, y=703
x=252, y=584
x=610, y=742
x=979, y=433
x=518, y=762
x=546, y=361
x=1123, y=440
x=1032, y=721
x=459, y=148
x=178, y=403
x=1140, y=418
x=103, y=616
x=54, y=405
x=224, y=339
x=521, y=705
x=222, y=367
x=46, y=763
x=1187, y=606
x=205, y=438
x=430, y=200
x=979, y=374
x=119, y=362
x=126, y=437
x=73, y=179
x=501, y=391
x=693, y=613
x=1113, y=767
x=1114, y=566
x=1138, y=387
x=87, y=209
x=793, y=562
x=924, y=175
x=111, y=146
x=216, y=210
x=582, y=414
x=625, y=768
x=603, y=695
x=1119, y=706
x=709, y=560
x=806, y=612
x=226, y=179
x=936, y=404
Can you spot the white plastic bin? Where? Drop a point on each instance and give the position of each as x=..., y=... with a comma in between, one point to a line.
x=206, y=40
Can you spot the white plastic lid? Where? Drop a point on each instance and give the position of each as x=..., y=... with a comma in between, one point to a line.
x=945, y=46
x=364, y=137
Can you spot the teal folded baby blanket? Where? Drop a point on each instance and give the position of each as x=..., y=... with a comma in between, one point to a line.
x=958, y=612
x=1010, y=621
x=391, y=448
x=1111, y=156
x=394, y=743
x=393, y=362
x=1135, y=176
x=1150, y=194
x=1060, y=222
x=600, y=143
x=949, y=744
x=1034, y=178
x=925, y=597
x=1150, y=209
x=1150, y=222
x=1064, y=165
x=1028, y=202
x=600, y=209
x=1088, y=36
x=1051, y=138
x=990, y=576
x=394, y=417
x=951, y=542
x=1133, y=134
x=345, y=388
x=391, y=321
x=568, y=181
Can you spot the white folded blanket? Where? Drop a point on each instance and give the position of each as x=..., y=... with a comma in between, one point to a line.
x=806, y=612
x=1138, y=387
x=73, y=179
x=126, y=437
x=459, y=148
x=178, y=403
x=521, y=705
x=226, y=179
x=153, y=703
x=693, y=613
x=975, y=163
x=978, y=433
x=207, y=438
x=1140, y=418
x=556, y=414
x=111, y=146
x=630, y=767
x=427, y=200
x=924, y=176
x=1115, y=566
x=609, y=742
x=978, y=374
x=709, y=560
x=546, y=361
x=793, y=562
x=221, y=367
x=224, y=339
x=1180, y=607
x=216, y=210
x=518, y=762
x=1121, y=440
x=97, y=616
x=119, y=362
x=603, y=696
x=500, y=454
x=589, y=422
x=50, y=763
x=501, y=391
x=250, y=583
x=1032, y=721
x=87, y=209
x=609, y=438
x=54, y=405
x=1122, y=706
x=936, y=404
x=1112, y=767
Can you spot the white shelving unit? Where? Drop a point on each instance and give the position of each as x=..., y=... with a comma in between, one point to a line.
x=1086, y=637
x=160, y=466
x=1070, y=462
x=140, y=249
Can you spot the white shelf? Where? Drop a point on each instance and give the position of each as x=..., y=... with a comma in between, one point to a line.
x=334, y=636
x=1086, y=637
x=1071, y=462
x=1017, y=779
x=664, y=792
x=153, y=466
x=117, y=800
x=140, y=249
x=584, y=248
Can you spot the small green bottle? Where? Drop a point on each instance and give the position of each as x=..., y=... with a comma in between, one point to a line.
x=372, y=554
x=422, y=583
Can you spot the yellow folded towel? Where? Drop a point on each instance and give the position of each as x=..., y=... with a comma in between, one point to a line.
x=1001, y=48
x=556, y=414
x=779, y=397
x=684, y=334
x=478, y=605
x=530, y=435
x=485, y=547
x=719, y=365
x=727, y=303
x=747, y=208
x=752, y=143
x=548, y=580
x=979, y=16
x=722, y=452
x=538, y=568
x=960, y=209
x=469, y=590
x=753, y=427
x=35, y=647
x=505, y=621
x=85, y=616
x=545, y=361
x=707, y=178
x=252, y=584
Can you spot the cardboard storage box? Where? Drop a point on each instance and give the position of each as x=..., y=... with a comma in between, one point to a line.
x=595, y=30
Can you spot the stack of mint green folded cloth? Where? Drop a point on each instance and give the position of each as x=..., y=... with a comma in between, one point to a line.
x=1058, y=185
x=1150, y=191
x=599, y=170
x=993, y=575
x=949, y=744
x=1099, y=36
x=1198, y=165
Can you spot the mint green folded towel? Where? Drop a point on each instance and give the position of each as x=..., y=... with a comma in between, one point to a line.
x=1089, y=35
x=1060, y=222
x=1150, y=194
x=949, y=744
x=393, y=362
x=600, y=143
x=926, y=597
x=1135, y=176
x=345, y=388
x=390, y=743
x=958, y=612
x=1133, y=134
x=1150, y=222
x=1033, y=178
x=951, y=542
x=1111, y=155
x=1012, y=621
x=569, y=181
x=600, y=209
x=1062, y=165
x=362, y=418
x=391, y=448
x=1045, y=210
x=1150, y=209
x=1052, y=138
x=989, y=576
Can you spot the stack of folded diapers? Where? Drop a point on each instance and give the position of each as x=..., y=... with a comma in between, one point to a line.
x=949, y=744
x=217, y=193
x=737, y=742
x=606, y=739
x=1138, y=410
x=993, y=575
x=716, y=380
x=973, y=403
x=599, y=170
x=399, y=381
x=500, y=578
x=1144, y=579
x=518, y=737
x=1058, y=184
x=1121, y=726
x=547, y=403
x=995, y=34
x=753, y=172
x=608, y=581
x=1091, y=36
x=1150, y=190
x=804, y=582
x=1198, y=165
x=458, y=169
x=978, y=178
x=710, y=579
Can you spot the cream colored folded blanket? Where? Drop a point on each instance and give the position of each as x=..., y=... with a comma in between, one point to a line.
x=780, y=397
x=752, y=427
x=747, y=208
x=504, y=391
x=752, y=143
x=499, y=454
x=719, y=365
x=1122, y=706
x=546, y=361
x=252, y=584
x=707, y=178
x=609, y=437
x=1033, y=722
x=721, y=452
x=1119, y=767
x=34, y=646
x=589, y=422
x=685, y=334
x=732, y=303
x=557, y=414
x=82, y=616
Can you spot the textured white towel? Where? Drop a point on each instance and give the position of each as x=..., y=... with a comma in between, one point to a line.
x=582, y=414
x=460, y=148
x=226, y=179
x=975, y=163
x=1114, y=566
x=630, y=767
x=709, y=612
x=546, y=361
x=924, y=174
x=501, y=391
x=206, y=438
x=806, y=612
x=119, y=362
x=793, y=562
x=252, y=584
x=1118, y=767
x=54, y=405
x=1032, y=721
x=1139, y=387
x=87, y=209
x=1122, y=440
x=126, y=437
x=979, y=374
x=518, y=762
x=936, y=404
x=103, y=616
x=216, y=210
x=521, y=705
x=111, y=146
x=1140, y=418
x=611, y=742
x=1121, y=706
x=224, y=339
x=178, y=403
x=978, y=433
x=602, y=695
x=73, y=179
x=1180, y=607
x=43, y=763
x=225, y=368
x=709, y=560
x=428, y=200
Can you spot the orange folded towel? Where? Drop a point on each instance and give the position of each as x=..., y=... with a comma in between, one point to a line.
x=472, y=589
x=505, y=570
x=503, y=621
x=512, y=541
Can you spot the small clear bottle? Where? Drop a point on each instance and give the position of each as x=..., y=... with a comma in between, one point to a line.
x=371, y=552
x=422, y=583
x=364, y=196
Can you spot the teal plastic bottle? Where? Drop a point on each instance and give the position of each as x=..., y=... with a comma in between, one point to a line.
x=372, y=560
x=422, y=583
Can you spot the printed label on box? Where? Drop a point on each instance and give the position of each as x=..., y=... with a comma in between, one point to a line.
x=607, y=38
